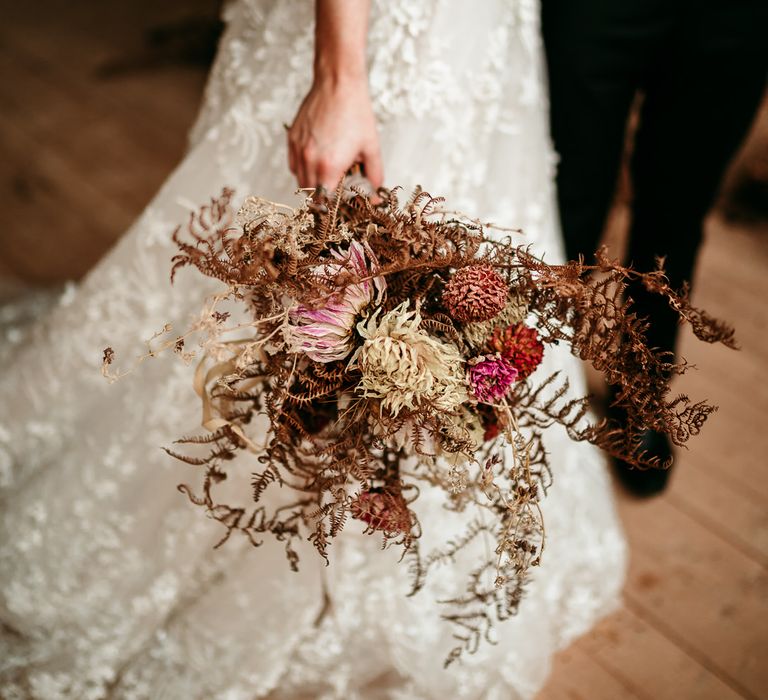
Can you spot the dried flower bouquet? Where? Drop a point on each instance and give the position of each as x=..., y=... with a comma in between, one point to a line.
x=392, y=344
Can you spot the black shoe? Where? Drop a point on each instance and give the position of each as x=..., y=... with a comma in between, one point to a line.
x=647, y=482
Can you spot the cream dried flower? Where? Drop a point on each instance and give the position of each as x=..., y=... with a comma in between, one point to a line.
x=405, y=367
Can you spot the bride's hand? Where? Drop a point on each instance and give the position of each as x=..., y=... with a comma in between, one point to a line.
x=334, y=129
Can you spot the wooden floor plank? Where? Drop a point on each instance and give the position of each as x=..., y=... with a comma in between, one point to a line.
x=98, y=150
x=702, y=594
x=57, y=100
x=74, y=156
x=577, y=676
x=706, y=497
x=733, y=443
x=58, y=221
x=652, y=665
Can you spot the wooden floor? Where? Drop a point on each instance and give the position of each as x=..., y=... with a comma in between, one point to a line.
x=84, y=148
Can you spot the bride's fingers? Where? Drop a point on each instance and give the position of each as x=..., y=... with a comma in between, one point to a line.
x=312, y=167
x=301, y=174
x=292, y=166
x=308, y=175
x=306, y=169
x=296, y=161
x=374, y=170
x=329, y=172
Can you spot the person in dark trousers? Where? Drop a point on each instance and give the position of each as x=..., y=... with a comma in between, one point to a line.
x=701, y=67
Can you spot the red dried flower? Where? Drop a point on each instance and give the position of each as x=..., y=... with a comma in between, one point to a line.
x=475, y=293
x=382, y=510
x=520, y=345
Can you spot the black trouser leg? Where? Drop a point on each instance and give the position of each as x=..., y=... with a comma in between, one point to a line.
x=698, y=106
x=596, y=55
x=702, y=66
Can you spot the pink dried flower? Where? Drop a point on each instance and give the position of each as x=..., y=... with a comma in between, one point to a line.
x=475, y=293
x=325, y=333
x=490, y=377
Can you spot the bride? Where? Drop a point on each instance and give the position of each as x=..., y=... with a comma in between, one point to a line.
x=109, y=585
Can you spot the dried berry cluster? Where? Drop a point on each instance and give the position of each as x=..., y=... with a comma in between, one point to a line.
x=390, y=345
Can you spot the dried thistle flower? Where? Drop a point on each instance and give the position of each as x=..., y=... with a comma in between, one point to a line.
x=404, y=366
x=475, y=293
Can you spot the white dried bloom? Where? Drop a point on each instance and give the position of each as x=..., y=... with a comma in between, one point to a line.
x=405, y=367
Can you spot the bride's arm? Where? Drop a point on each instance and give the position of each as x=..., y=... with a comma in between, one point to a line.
x=335, y=127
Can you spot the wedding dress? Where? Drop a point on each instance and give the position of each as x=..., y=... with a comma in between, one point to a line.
x=109, y=585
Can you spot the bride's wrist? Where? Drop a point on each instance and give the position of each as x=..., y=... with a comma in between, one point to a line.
x=339, y=73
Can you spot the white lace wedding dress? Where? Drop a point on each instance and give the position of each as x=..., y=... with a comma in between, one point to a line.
x=109, y=586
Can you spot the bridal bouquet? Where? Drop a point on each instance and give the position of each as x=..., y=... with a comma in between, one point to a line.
x=384, y=345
